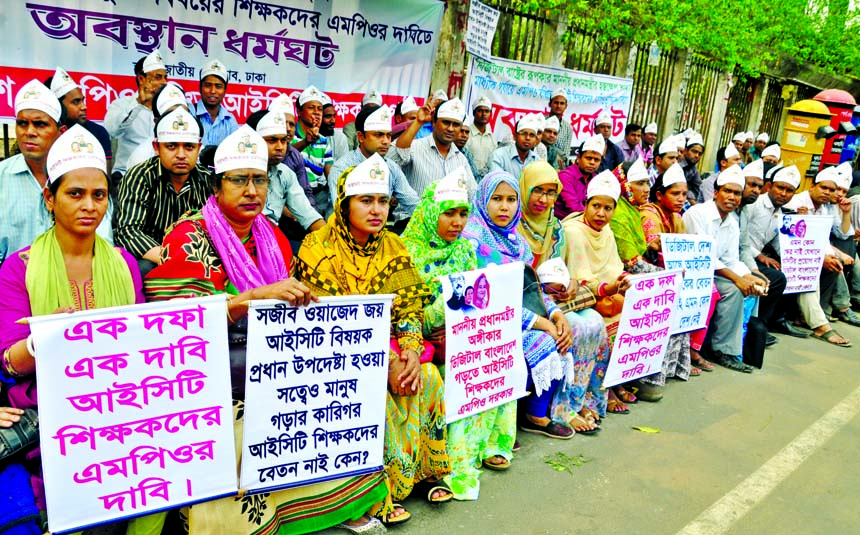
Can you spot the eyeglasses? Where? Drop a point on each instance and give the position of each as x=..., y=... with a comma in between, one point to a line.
x=241, y=181
x=548, y=195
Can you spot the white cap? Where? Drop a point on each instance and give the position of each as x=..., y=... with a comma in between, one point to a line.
x=408, y=105
x=749, y=136
x=282, y=104
x=828, y=174
x=790, y=175
x=215, y=68
x=688, y=133
x=674, y=175
x=559, y=93
x=651, y=128
x=178, y=126
x=680, y=141
x=468, y=122
x=75, y=149
x=551, y=123
x=605, y=184
x=732, y=175
x=35, y=96
x=532, y=121
x=452, y=109
x=637, y=172
x=243, y=149
x=595, y=143
x=326, y=100
x=370, y=177
x=272, y=124
x=371, y=97
x=846, y=173
x=740, y=137
x=731, y=151
x=695, y=139
x=484, y=101
x=763, y=137
x=440, y=94
x=172, y=95
x=452, y=187
x=670, y=144
x=554, y=272
x=603, y=118
x=379, y=120
x=62, y=83
x=311, y=93
x=153, y=62
x=771, y=150
x=755, y=169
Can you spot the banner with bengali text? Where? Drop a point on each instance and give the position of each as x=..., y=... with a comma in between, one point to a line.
x=803, y=243
x=345, y=48
x=650, y=305
x=315, y=391
x=135, y=411
x=517, y=88
x=484, y=363
x=693, y=254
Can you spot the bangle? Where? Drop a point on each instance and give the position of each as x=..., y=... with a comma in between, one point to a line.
x=7, y=362
x=229, y=317
x=31, y=347
x=601, y=290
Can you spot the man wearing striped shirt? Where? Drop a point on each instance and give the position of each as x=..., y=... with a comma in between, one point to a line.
x=154, y=194
x=316, y=149
x=426, y=160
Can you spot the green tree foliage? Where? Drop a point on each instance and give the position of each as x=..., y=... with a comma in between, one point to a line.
x=747, y=34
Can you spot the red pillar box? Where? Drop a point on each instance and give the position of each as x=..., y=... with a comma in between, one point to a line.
x=841, y=104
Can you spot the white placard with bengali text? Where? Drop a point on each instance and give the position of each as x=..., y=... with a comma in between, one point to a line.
x=484, y=363
x=135, y=410
x=693, y=254
x=650, y=305
x=315, y=391
x=803, y=242
x=481, y=29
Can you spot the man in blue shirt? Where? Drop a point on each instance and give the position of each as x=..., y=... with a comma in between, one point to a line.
x=218, y=123
x=513, y=158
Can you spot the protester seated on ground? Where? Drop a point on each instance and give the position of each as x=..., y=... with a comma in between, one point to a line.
x=492, y=231
x=839, y=304
x=246, y=257
x=613, y=156
x=434, y=239
x=582, y=403
x=665, y=155
x=548, y=139
x=817, y=201
x=165, y=99
x=512, y=158
x=593, y=261
x=662, y=215
x=354, y=254
x=726, y=157
x=68, y=268
x=575, y=178
x=732, y=277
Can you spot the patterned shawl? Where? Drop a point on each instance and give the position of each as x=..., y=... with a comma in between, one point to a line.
x=627, y=225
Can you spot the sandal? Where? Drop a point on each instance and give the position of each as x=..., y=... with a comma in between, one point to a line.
x=588, y=425
x=591, y=414
x=830, y=334
x=615, y=406
x=371, y=527
x=516, y=447
x=698, y=361
x=552, y=429
x=625, y=395
x=496, y=467
x=402, y=518
x=695, y=372
x=428, y=488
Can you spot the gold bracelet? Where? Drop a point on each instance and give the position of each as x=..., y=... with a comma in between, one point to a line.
x=7, y=361
x=229, y=317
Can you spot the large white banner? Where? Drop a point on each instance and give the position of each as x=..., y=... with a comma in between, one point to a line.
x=517, y=89
x=484, y=364
x=315, y=392
x=650, y=305
x=693, y=254
x=803, y=242
x=135, y=411
x=345, y=47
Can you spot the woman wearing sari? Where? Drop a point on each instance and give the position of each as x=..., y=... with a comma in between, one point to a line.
x=663, y=216
x=492, y=231
x=433, y=238
x=634, y=249
x=353, y=254
x=68, y=268
x=582, y=403
x=593, y=258
x=230, y=247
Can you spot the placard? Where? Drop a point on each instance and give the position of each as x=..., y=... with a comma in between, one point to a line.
x=481, y=29
x=315, y=391
x=484, y=359
x=694, y=255
x=650, y=305
x=803, y=242
x=135, y=410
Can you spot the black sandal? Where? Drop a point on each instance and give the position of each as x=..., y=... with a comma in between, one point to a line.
x=403, y=518
x=428, y=488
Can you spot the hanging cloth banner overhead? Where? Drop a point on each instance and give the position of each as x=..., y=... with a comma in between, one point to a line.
x=345, y=48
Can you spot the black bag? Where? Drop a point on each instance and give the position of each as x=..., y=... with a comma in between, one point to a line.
x=21, y=436
x=754, y=342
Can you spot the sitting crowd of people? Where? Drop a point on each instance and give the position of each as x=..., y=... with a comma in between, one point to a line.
x=286, y=207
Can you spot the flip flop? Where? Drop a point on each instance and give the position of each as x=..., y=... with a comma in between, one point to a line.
x=615, y=407
x=626, y=396
x=695, y=372
x=371, y=527
x=581, y=421
x=403, y=518
x=429, y=487
x=830, y=334
x=496, y=467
